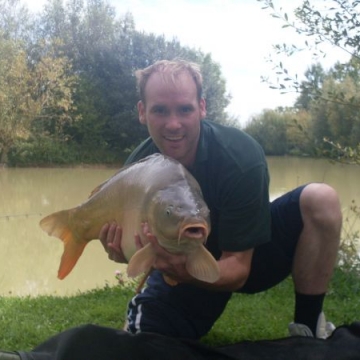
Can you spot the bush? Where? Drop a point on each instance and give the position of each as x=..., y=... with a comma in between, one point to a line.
x=45, y=151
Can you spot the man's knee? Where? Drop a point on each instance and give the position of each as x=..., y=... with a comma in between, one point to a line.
x=320, y=204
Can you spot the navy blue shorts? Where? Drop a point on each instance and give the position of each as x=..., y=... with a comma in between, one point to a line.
x=189, y=312
x=272, y=261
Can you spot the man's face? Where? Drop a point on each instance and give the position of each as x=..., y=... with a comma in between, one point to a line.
x=172, y=113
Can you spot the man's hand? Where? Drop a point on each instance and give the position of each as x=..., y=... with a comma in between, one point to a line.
x=171, y=265
x=110, y=237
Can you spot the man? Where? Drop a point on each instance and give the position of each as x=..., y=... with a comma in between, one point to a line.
x=256, y=244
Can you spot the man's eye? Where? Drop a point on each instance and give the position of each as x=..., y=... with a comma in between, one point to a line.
x=186, y=109
x=159, y=110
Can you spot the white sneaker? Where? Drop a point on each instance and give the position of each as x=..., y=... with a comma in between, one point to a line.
x=323, y=328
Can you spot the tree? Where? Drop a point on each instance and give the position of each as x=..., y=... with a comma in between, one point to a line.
x=337, y=119
x=311, y=87
x=335, y=23
x=15, y=21
x=298, y=132
x=334, y=106
x=269, y=129
x=14, y=99
x=30, y=91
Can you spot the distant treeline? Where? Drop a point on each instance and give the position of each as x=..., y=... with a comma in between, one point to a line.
x=324, y=121
x=68, y=92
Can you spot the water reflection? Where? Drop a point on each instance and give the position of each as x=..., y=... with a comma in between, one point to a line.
x=29, y=258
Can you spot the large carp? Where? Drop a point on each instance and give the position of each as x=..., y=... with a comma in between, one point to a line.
x=158, y=191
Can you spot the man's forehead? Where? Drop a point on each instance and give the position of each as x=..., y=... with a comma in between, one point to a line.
x=161, y=84
x=172, y=78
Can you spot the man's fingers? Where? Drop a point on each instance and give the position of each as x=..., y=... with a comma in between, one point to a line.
x=153, y=240
x=103, y=234
x=110, y=237
x=145, y=228
x=138, y=242
x=116, y=242
x=111, y=233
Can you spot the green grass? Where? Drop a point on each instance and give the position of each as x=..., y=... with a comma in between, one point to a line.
x=26, y=322
x=267, y=315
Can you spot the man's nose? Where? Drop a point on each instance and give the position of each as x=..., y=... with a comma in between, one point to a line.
x=173, y=122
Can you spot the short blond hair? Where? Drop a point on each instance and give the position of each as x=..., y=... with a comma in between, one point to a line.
x=172, y=67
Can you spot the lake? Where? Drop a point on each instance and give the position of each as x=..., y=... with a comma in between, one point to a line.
x=29, y=258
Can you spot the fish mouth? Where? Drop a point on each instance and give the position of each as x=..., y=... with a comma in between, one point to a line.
x=197, y=231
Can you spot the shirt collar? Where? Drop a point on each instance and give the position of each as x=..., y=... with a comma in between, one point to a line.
x=203, y=145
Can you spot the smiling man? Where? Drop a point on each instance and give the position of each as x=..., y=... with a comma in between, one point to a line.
x=172, y=112
x=257, y=243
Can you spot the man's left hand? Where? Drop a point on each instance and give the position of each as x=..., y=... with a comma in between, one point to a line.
x=171, y=265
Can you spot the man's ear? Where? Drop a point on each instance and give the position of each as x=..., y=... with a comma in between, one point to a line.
x=141, y=111
x=203, y=108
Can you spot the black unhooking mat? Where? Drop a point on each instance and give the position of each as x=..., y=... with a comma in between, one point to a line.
x=92, y=342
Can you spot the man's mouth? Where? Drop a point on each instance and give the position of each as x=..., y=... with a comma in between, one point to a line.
x=174, y=138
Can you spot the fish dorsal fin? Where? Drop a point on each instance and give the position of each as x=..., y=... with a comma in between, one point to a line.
x=98, y=188
x=141, y=261
x=202, y=265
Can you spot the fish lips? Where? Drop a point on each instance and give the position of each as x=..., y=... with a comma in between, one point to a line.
x=197, y=231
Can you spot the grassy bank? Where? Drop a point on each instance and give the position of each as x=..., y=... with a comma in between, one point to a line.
x=25, y=322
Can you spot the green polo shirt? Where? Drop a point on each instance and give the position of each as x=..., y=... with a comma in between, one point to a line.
x=231, y=169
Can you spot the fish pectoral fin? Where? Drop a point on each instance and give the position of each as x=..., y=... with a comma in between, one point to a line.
x=72, y=251
x=202, y=265
x=141, y=261
x=169, y=280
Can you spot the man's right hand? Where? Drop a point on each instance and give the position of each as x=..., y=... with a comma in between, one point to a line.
x=110, y=237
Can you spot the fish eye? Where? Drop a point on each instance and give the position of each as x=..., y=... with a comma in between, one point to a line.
x=168, y=211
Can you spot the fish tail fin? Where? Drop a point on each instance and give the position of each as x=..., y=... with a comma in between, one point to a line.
x=202, y=265
x=57, y=224
x=141, y=261
x=70, y=256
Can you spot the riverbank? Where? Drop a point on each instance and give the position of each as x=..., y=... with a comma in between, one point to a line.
x=26, y=322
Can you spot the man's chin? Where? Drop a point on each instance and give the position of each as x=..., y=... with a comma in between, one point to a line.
x=173, y=153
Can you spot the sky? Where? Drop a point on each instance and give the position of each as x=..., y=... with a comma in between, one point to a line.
x=240, y=36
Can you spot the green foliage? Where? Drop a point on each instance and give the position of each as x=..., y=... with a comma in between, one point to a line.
x=330, y=98
x=269, y=129
x=334, y=23
x=349, y=257
x=282, y=132
x=40, y=151
x=40, y=90
x=310, y=89
x=15, y=23
x=214, y=91
x=340, y=153
x=44, y=151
